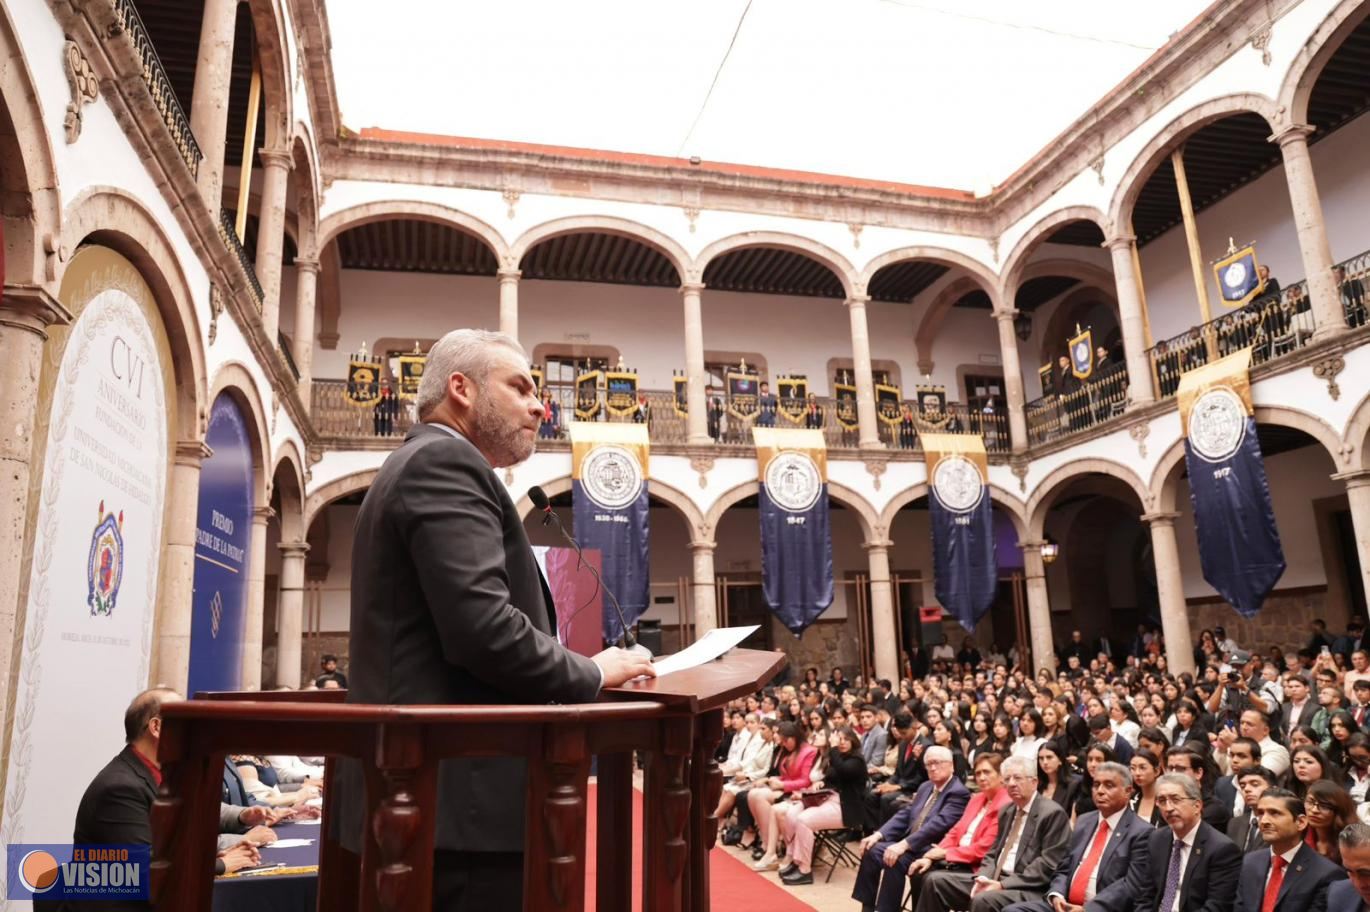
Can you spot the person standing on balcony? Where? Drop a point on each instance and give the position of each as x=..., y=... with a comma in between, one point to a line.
x=715, y=418
x=768, y=405
x=813, y=413
x=449, y=608
x=386, y=411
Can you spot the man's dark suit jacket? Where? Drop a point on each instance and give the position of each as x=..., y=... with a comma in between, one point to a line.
x=951, y=804
x=116, y=808
x=909, y=771
x=1239, y=831
x=1210, y=877
x=449, y=607
x=1305, y=882
x=1342, y=896
x=1040, y=849
x=1120, y=867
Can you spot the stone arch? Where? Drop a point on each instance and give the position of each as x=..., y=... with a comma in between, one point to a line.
x=936, y=314
x=289, y=467
x=606, y=224
x=233, y=378
x=1012, y=506
x=1044, y=494
x=30, y=206
x=871, y=530
x=273, y=55
x=1169, y=137
x=812, y=249
x=1312, y=58
x=688, y=512
x=1356, y=443
x=383, y=210
x=114, y=218
x=307, y=193
x=987, y=279
x=1058, y=329
x=1037, y=235
x=337, y=489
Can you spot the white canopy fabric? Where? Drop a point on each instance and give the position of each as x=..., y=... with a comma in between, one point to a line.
x=944, y=93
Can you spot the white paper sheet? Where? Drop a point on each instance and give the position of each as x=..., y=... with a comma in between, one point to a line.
x=288, y=843
x=315, y=822
x=705, y=649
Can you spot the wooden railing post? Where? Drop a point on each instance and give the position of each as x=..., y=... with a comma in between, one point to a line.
x=665, y=823
x=554, y=870
x=183, y=841
x=706, y=782
x=402, y=861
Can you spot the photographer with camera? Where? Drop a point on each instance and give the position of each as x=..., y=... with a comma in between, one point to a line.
x=1240, y=687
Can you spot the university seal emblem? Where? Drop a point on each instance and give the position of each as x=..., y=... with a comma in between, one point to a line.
x=956, y=482
x=105, y=565
x=793, y=482
x=612, y=477
x=1234, y=276
x=1217, y=424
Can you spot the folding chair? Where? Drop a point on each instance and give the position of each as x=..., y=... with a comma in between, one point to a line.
x=834, y=842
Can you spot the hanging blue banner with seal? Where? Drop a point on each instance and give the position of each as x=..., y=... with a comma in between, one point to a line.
x=964, y=565
x=609, y=506
x=1239, y=544
x=796, y=541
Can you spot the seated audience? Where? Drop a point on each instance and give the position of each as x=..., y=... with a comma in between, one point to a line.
x=840, y=804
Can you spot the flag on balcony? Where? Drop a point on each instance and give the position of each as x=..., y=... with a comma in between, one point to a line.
x=1239, y=545
x=1082, y=353
x=411, y=374
x=792, y=392
x=743, y=392
x=681, y=384
x=888, y=405
x=1237, y=276
x=620, y=392
x=844, y=402
x=962, y=525
x=796, y=543
x=609, y=505
x=363, y=381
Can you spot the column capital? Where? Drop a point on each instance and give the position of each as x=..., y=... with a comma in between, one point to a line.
x=306, y=265
x=1031, y=544
x=32, y=308
x=1120, y=240
x=192, y=452
x=295, y=549
x=1356, y=478
x=1006, y=315
x=276, y=158
x=858, y=300
x=262, y=515
x=1160, y=518
x=877, y=545
x=509, y=275
x=1292, y=134
x=691, y=288
x=698, y=546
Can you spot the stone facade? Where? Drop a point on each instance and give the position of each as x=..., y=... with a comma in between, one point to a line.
x=1282, y=622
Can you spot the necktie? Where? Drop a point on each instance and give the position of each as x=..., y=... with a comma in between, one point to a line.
x=1272, y=886
x=1172, y=879
x=1014, y=832
x=1253, y=835
x=923, y=814
x=1086, y=869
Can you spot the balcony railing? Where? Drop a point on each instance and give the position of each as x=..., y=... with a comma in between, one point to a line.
x=284, y=345
x=229, y=233
x=159, y=86
x=1096, y=401
x=334, y=416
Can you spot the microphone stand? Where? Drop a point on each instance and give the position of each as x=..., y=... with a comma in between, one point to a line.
x=630, y=642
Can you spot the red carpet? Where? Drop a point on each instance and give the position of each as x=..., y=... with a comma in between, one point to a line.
x=733, y=884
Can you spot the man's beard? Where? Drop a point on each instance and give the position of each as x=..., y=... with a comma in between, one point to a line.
x=501, y=440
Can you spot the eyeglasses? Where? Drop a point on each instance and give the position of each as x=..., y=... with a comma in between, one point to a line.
x=1165, y=801
x=1313, y=804
x=931, y=762
x=1015, y=777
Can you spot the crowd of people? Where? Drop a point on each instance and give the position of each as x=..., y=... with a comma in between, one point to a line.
x=972, y=784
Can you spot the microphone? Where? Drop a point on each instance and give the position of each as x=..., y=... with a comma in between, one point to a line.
x=549, y=517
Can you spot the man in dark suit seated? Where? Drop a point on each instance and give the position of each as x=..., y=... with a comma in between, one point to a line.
x=1107, y=855
x=449, y=607
x=887, y=853
x=1352, y=894
x=885, y=798
x=1031, y=842
x=1243, y=754
x=1190, y=867
x=1289, y=876
x=1245, y=828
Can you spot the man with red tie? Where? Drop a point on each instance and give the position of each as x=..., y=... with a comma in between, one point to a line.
x=1290, y=876
x=1107, y=854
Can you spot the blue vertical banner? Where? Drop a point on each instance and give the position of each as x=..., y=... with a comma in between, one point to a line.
x=609, y=472
x=223, y=530
x=1239, y=545
x=964, y=565
x=796, y=540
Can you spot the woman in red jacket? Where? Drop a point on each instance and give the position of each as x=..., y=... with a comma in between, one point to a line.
x=793, y=777
x=971, y=837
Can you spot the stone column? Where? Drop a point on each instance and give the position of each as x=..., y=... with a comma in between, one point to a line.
x=1039, y=607
x=1358, y=496
x=209, y=101
x=509, y=302
x=271, y=236
x=694, y=364
x=884, y=639
x=1328, y=316
x=702, y=595
x=177, y=593
x=306, y=284
x=25, y=314
x=868, y=426
x=1013, y=379
x=251, y=676
x=1179, y=644
x=290, y=614
x=1139, y=389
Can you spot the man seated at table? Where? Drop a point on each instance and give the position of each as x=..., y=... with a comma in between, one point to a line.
x=116, y=808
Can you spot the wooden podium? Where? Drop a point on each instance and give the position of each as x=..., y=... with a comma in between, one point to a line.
x=677, y=721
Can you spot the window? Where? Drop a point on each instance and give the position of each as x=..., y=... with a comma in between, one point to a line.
x=560, y=371
x=982, y=389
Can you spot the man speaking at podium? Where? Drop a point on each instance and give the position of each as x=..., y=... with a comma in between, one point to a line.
x=449, y=607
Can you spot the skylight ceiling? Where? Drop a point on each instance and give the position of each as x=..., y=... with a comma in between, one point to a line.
x=945, y=93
